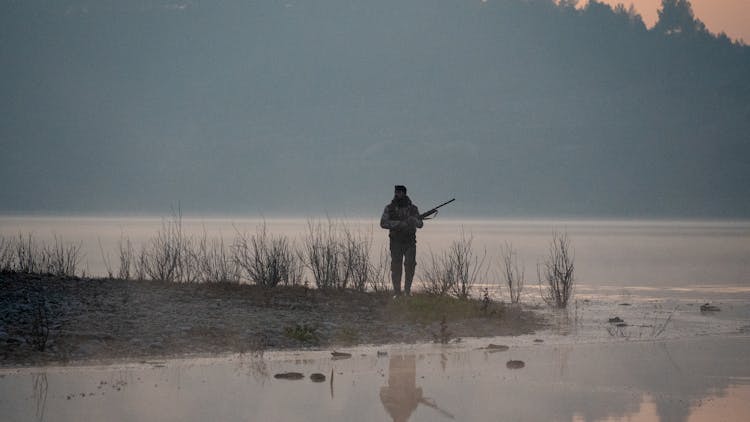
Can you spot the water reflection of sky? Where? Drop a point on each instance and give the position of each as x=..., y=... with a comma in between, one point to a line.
x=696, y=379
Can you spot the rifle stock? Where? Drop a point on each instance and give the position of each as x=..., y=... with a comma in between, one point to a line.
x=426, y=215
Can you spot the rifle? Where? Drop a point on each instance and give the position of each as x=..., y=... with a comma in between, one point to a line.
x=434, y=211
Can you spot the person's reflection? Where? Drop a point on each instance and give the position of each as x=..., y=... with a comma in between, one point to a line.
x=402, y=395
x=40, y=385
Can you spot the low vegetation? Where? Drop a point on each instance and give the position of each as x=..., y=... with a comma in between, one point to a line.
x=513, y=274
x=555, y=273
x=267, y=260
x=427, y=308
x=456, y=270
x=330, y=255
x=26, y=254
x=338, y=256
x=303, y=333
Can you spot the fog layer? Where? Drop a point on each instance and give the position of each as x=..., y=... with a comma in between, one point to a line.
x=517, y=108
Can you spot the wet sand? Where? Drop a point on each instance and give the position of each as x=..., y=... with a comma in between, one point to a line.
x=696, y=379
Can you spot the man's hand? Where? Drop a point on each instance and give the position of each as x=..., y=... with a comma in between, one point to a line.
x=413, y=221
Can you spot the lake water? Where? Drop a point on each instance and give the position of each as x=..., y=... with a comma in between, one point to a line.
x=699, y=379
x=644, y=259
x=697, y=369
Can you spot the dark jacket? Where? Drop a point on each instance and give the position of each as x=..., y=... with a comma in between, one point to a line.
x=402, y=220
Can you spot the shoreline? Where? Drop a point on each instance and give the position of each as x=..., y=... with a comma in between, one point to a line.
x=384, y=350
x=109, y=320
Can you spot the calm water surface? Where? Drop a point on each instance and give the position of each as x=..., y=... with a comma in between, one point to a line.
x=702, y=379
x=642, y=258
x=698, y=370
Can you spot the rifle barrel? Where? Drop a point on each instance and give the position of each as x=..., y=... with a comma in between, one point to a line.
x=445, y=203
x=434, y=210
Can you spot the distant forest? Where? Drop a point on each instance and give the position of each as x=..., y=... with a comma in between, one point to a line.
x=519, y=108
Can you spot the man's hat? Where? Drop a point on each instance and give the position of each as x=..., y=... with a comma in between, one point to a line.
x=401, y=188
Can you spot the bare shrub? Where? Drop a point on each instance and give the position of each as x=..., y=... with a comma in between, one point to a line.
x=438, y=275
x=170, y=256
x=456, y=270
x=380, y=275
x=7, y=256
x=29, y=257
x=189, y=260
x=140, y=265
x=62, y=259
x=486, y=300
x=216, y=262
x=321, y=253
x=341, y=257
x=355, y=249
x=555, y=273
x=161, y=257
x=512, y=272
x=468, y=266
x=295, y=268
x=128, y=263
x=267, y=260
x=106, y=260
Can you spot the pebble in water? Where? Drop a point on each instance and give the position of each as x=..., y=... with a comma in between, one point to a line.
x=289, y=376
x=515, y=364
x=497, y=347
x=317, y=377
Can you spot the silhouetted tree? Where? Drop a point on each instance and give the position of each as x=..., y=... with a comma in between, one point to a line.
x=676, y=17
x=631, y=14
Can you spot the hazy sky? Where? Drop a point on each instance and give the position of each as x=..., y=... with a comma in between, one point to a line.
x=299, y=108
x=730, y=16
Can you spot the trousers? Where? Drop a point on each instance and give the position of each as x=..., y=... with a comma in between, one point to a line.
x=403, y=254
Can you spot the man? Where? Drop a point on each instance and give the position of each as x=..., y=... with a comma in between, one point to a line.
x=402, y=220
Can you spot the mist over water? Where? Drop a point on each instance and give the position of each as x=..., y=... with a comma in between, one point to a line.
x=640, y=258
